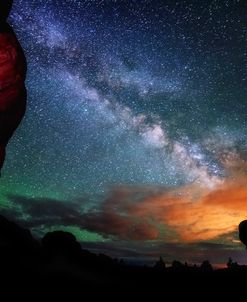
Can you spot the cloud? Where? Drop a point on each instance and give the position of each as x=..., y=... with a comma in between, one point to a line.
x=34, y=213
x=198, y=213
x=149, y=253
x=48, y=212
x=37, y=212
x=217, y=213
x=184, y=214
x=191, y=213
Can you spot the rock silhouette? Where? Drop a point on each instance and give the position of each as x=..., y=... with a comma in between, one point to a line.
x=12, y=80
x=58, y=265
x=15, y=242
x=243, y=232
x=58, y=241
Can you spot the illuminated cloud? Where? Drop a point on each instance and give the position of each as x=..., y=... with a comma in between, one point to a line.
x=213, y=215
x=178, y=215
x=193, y=212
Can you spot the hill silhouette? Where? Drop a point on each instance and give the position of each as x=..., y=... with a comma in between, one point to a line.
x=58, y=265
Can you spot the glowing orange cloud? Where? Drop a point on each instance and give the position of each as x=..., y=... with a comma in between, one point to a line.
x=196, y=213
x=193, y=212
x=215, y=214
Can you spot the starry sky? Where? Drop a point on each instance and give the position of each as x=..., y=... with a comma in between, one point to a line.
x=135, y=134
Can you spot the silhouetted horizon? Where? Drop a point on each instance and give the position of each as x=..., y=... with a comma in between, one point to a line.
x=14, y=235
x=58, y=265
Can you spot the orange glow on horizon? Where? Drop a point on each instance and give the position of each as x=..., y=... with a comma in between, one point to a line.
x=190, y=213
x=197, y=214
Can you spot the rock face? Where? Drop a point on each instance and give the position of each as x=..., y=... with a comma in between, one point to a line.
x=60, y=243
x=58, y=240
x=12, y=80
x=243, y=232
x=19, y=252
x=15, y=237
x=59, y=265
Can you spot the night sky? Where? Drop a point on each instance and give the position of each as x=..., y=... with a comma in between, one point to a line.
x=135, y=134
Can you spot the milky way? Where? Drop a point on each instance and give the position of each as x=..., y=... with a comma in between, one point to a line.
x=146, y=97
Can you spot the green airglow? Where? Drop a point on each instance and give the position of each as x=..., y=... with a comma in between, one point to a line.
x=80, y=234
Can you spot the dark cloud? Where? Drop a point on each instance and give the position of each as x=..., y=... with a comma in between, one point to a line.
x=136, y=213
x=148, y=253
x=122, y=226
x=110, y=219
x=130, y=235
x=45, y=207
x=213, y=246
x=44, y=211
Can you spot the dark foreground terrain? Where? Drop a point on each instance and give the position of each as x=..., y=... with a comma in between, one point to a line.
x=58, y=267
